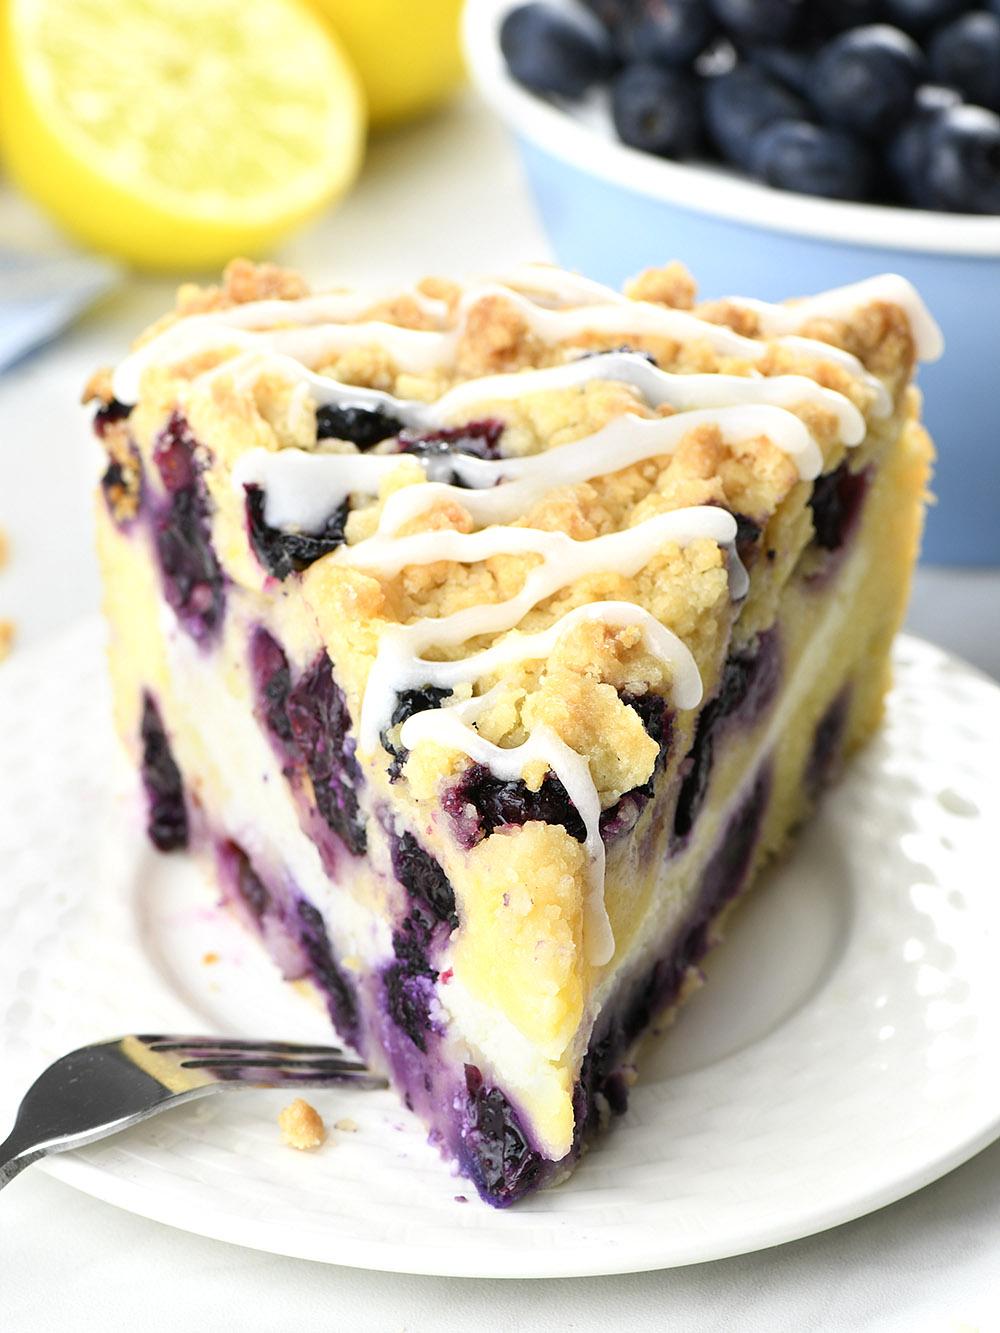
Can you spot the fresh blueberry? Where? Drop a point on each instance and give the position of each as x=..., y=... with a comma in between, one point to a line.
x=666, y=32
x=963, y=160
x=758, y=20
x=657, y=110
x=918, y=16
x=363, y=426
x=865, y=80
x=934, y=97
x=965, y=55
x=610, y=12
x=167, y=823
x=551, y=52
x=909, y=150
x=813, y=159
x=284, y=553
x=790, y=65
x=742, y=103
x=823, y=19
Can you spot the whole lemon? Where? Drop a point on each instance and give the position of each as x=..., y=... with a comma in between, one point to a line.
x=408, y=55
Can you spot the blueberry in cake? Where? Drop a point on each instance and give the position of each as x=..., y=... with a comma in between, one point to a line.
x=489, y=640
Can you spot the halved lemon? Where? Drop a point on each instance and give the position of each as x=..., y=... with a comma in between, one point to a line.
x=177, y=133
x=408, y=55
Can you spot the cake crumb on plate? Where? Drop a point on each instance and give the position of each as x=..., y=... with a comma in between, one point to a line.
x=346, y=1125
x=6, y=637
x=301, y=1125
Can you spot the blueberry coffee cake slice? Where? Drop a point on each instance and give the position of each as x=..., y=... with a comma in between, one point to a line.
x=487, y=640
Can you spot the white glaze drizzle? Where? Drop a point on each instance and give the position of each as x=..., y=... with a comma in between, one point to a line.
x=454, y=726
x=505, y=489
x=563, y=561
x=843, y=302
x=573, y=771
x=560, y=285
x=415, y=350
x=303, y=489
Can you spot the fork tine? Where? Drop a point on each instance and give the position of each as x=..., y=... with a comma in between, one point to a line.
x=236, y=1044
x=320, y=1066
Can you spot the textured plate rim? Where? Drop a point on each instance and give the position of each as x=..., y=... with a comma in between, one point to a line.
x=101, y=1184
x=312, y=1243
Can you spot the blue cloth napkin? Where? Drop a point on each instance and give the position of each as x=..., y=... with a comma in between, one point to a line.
x=40, y=295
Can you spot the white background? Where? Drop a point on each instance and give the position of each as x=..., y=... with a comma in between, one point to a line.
x=444, y=196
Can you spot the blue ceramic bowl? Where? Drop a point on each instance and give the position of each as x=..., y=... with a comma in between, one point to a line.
x=611, y=211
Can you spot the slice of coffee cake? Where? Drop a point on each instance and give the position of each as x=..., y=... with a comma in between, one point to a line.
x=491, y=639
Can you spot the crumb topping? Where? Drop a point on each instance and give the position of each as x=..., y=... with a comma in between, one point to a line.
x=420, y=344
x=301, y=1125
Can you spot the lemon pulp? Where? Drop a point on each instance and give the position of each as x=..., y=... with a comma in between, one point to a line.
x=175, y=133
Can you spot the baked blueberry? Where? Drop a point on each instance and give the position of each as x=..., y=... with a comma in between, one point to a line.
x=552, y=52
x=363, y=426
x=321, y=727
x=657, y=110
x=424, y=879
x=167, y=823
x=284, y=553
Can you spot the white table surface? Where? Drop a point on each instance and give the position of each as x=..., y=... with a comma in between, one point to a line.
x=443, y=196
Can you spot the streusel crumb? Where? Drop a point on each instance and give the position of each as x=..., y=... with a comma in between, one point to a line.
x=301, y=1125
x=7, y=633
x=671, y=285
x=98, y=388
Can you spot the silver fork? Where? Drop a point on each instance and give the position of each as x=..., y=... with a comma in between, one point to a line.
x=100, y=1089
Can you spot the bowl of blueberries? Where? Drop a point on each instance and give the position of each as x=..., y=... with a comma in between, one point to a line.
x=779, y=147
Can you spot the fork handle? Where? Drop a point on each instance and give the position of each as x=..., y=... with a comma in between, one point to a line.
x=16, y=1153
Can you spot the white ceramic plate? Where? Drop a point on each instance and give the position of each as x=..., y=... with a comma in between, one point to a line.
x=845, y=1051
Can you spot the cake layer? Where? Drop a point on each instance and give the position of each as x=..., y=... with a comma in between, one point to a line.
x=488, y=662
